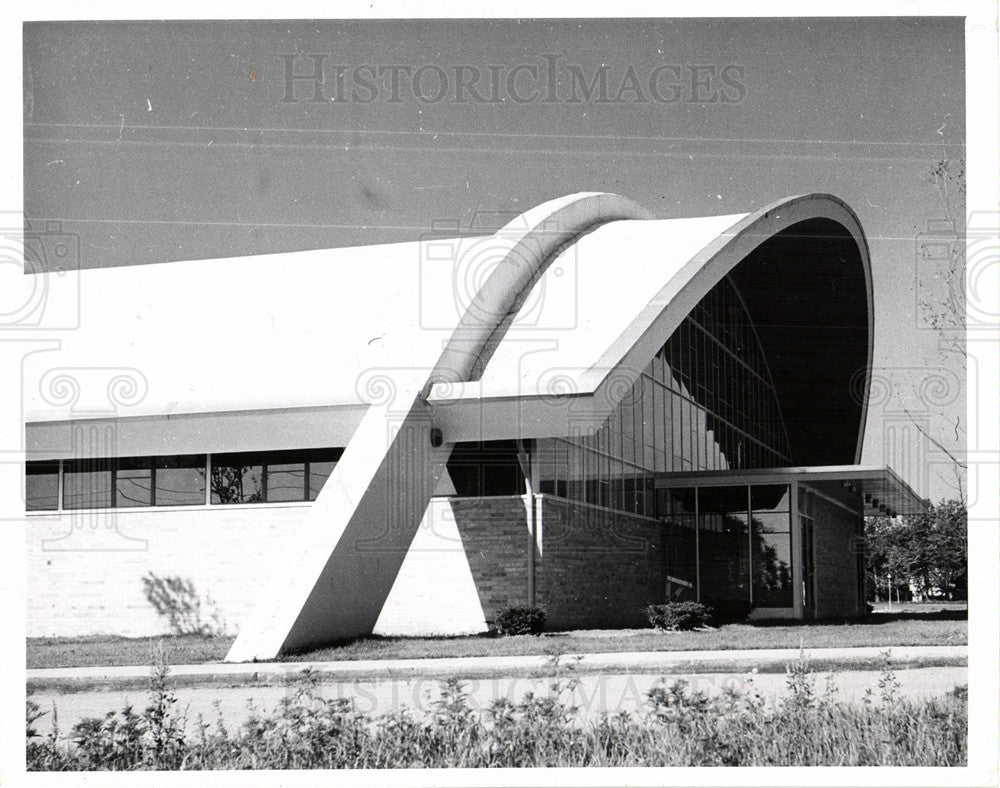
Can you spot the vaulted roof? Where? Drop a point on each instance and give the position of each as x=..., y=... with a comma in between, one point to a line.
x=572, y=298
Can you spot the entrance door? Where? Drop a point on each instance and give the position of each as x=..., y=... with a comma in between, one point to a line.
x=808, y=570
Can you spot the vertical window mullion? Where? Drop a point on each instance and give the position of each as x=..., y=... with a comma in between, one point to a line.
x=697, y=547
x=208, y=480
x=749, y=546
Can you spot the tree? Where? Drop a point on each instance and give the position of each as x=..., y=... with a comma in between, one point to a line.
x=925, y=552
x=941, y=299
x=942, y=558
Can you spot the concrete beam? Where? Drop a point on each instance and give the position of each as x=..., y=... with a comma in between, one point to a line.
x=357, y=534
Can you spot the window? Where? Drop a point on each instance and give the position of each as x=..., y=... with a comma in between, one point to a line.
x=128, y=482
x=179, y=480
x=42, y=486
x=275, y=477
x=87, y=484
x=319, y=472
x=743, y=543
x=772, y=569
x=237, y=478
x=772, y=545
x=286, y=481
x=134, y=482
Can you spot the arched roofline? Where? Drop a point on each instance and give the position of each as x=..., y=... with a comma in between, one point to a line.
x=602, y=386
x=538, y=235
x=636, y=347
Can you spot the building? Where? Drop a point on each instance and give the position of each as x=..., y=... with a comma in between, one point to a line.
x=590, y=410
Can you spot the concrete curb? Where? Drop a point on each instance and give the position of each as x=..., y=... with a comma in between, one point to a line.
x=666, y=662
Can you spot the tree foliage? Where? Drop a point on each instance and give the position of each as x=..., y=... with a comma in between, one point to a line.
x=926, y=552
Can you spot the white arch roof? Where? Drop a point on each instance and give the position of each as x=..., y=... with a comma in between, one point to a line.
x=609, y=281
x=305, y=329
x=318, y=332
x=268, y=331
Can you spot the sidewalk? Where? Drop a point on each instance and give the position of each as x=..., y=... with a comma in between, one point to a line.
x=663, y=662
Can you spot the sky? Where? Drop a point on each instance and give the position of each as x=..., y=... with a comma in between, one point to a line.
x=155, y=142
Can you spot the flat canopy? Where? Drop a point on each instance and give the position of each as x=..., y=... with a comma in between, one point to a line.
x=880, y=487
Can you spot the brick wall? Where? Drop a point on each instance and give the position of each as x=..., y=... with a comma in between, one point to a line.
x=596, y=568
x=496, y=538
x=84, y=570
x=835, y=558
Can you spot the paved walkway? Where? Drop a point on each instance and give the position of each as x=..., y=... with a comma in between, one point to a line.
x=650, y=662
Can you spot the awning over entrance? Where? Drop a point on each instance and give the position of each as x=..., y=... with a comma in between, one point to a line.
x=881, y=489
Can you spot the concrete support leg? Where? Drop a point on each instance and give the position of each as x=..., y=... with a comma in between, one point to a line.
x=356, y=535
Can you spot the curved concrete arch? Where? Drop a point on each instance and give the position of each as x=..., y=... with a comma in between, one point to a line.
x=538, y=236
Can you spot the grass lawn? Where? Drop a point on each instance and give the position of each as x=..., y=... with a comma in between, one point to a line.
x=109, y=650
x=930, y=624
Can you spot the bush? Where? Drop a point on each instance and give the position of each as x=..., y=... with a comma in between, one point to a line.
x=679, y=725
x=677, y=616
x=520, y=620
x=127, y=739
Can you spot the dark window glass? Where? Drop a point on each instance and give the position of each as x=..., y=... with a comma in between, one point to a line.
x=286, y=481
x=682, y=563
x=772, y=570
x=724, y=546
x=770, y=498
x=179, y=480
x=486, y=468
x=725, y=559
x=134, y=482
x=87, y=484
x=722, y=499
x=41, y=486
x=319, y=472
x=739, y=552
x=680, y=502
x=237, y=478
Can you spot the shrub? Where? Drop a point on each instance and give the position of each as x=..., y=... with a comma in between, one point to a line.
x=33, y=713
x=680, y=725
x=128, y=739
x=676, y=616
x=520, y=620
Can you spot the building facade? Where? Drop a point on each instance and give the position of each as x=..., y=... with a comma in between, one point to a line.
x=591, y=411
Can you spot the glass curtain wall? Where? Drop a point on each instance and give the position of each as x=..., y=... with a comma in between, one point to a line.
x=705, y=402
x=730, y=546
